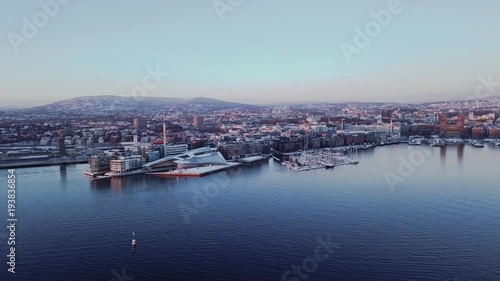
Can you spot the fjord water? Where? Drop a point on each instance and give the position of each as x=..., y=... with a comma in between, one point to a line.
x=441, y=223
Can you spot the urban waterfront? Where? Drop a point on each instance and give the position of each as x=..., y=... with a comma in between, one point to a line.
x=260, y=221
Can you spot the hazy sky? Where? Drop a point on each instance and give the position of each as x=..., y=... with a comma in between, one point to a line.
x=256, y=52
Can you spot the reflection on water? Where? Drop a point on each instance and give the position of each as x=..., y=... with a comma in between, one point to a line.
x=442, y=153
x=63, y=173
x=119, y=182
x=460, y=153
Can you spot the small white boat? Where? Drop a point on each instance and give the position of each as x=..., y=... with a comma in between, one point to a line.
x=133, y=239
x=477, y=143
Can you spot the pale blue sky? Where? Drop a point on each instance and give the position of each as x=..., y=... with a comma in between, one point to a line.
x=261, y=51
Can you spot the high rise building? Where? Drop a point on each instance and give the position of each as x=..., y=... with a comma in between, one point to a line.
x=342, y=124
x=198, y=122
x=437, y=117
x=62, y=145
x=387, y=116
x=471, y=115
x=140, y=124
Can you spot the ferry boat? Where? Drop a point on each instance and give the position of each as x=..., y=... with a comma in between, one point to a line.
x=477, y=143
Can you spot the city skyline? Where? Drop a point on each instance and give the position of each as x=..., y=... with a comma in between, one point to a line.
x=247, y=51
x=249, y=140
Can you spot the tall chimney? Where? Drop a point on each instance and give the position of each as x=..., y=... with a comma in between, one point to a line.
x=164, y=138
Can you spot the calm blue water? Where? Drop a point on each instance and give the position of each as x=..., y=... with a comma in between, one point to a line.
x=441, y=223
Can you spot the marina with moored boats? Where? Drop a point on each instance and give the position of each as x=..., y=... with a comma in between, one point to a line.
x=320, y=159
x=331, y=157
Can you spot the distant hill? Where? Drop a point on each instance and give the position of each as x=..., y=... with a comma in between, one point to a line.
x=118, y=103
